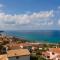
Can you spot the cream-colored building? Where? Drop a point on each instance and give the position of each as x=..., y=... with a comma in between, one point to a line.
x=19, y=54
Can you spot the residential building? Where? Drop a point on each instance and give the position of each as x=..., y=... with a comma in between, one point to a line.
x=18, y=54
x=52, y=54
x=3, y=57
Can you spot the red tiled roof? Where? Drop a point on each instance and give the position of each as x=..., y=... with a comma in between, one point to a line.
x=18, y=52
x=56, y=50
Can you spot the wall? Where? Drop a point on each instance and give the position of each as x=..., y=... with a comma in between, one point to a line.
x=20, y=58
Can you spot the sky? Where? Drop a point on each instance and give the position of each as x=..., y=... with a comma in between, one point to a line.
x=29, y=14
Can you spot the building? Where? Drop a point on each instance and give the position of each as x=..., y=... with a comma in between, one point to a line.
x=20, y=45
x=3, y=57
x=52, y=54
x=19, y=54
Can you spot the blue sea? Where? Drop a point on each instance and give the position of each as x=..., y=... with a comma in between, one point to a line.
x=50, y=36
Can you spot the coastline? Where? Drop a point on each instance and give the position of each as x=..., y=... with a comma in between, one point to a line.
x=42, y=36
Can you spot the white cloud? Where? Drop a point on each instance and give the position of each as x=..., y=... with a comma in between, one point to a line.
x=58, y=7
x=33, y=19
x=58, y=22
x=1, y=5
x=50, y=23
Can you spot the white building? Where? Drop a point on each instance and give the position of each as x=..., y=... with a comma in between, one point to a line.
x=52, y=54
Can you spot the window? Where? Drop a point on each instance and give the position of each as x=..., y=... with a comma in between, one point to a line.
x=48, y=56
x=53, y=53
x=17, y=57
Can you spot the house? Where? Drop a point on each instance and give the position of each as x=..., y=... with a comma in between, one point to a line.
x=19, y=54
x=52, y=54
x=29, y=46
x=20, y=45
x=26, y=46
x=13, y=46
x=3, y=57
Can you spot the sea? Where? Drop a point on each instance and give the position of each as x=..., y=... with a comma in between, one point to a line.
x=48, y=36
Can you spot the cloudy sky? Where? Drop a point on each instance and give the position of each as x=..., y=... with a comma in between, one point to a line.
x=29, y=14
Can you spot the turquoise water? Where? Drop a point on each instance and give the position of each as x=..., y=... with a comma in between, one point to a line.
x=51, y=36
